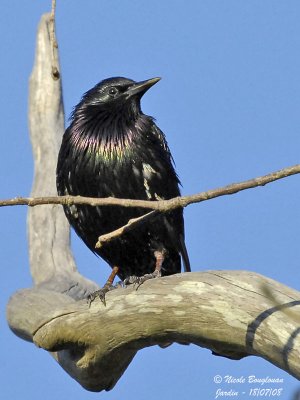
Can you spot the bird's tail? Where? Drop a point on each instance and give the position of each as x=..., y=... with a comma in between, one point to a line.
x=184, y=255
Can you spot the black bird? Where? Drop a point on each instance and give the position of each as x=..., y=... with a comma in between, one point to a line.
x=112, y=149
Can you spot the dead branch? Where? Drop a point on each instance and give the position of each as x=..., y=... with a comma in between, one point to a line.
x=132, y=224
x=53, y=42
x=48, y=229
x=159, y=205
x=225, y=311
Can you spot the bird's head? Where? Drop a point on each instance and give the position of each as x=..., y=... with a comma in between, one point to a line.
x=116, y=94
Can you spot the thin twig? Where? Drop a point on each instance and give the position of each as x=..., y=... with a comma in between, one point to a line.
x=53, y=41
x=160, y=205
x=132, y=223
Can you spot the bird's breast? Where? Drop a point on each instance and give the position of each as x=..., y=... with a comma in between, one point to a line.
x=121, y=171
x=120, y=160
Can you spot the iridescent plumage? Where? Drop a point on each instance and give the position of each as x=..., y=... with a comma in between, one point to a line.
x=112, y=149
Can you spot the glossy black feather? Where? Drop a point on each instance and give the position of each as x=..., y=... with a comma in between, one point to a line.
x=112, y=149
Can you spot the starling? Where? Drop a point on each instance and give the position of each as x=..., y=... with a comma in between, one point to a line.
x=112, y=149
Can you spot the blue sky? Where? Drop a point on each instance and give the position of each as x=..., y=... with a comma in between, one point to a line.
x=228, y=102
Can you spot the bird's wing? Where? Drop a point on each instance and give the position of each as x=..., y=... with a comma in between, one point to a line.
x=169, y=190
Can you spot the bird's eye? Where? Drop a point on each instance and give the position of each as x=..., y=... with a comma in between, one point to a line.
x=112, y=91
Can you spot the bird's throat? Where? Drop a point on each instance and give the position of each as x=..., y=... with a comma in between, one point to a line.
x=109, y=137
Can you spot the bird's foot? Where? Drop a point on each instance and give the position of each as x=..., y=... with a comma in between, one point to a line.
x=139, y=280
x=101, y=293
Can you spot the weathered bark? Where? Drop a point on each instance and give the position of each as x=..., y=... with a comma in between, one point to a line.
x=51, y=260
x=229, y=312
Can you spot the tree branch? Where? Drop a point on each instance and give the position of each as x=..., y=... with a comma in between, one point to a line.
x=53, y=41
x=48, y=229
x=160, y=205
x=132, y=224
x=225, y=311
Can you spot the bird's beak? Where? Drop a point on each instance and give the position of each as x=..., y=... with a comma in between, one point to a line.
x=140, y=87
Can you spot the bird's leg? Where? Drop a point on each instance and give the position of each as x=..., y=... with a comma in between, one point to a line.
x=106, y=288
x=139, y=280
x=159, y=257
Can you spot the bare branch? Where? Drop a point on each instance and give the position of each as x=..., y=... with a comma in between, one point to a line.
x=54, y=45
x=132, y=223
x=51, y=260
x=160, y=205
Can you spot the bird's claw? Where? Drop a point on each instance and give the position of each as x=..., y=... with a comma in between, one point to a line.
x=101, y=293
x=130, y=280
x=139, y=280
x=98, y=294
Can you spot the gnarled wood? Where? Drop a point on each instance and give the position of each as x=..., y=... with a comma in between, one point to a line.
x=51, y=261
x=229, y=312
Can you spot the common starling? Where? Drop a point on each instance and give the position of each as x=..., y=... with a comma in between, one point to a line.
x=112, y=149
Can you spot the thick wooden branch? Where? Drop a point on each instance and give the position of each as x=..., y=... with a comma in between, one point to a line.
x=232, y=312
x=51, y=261
x=225, y=311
